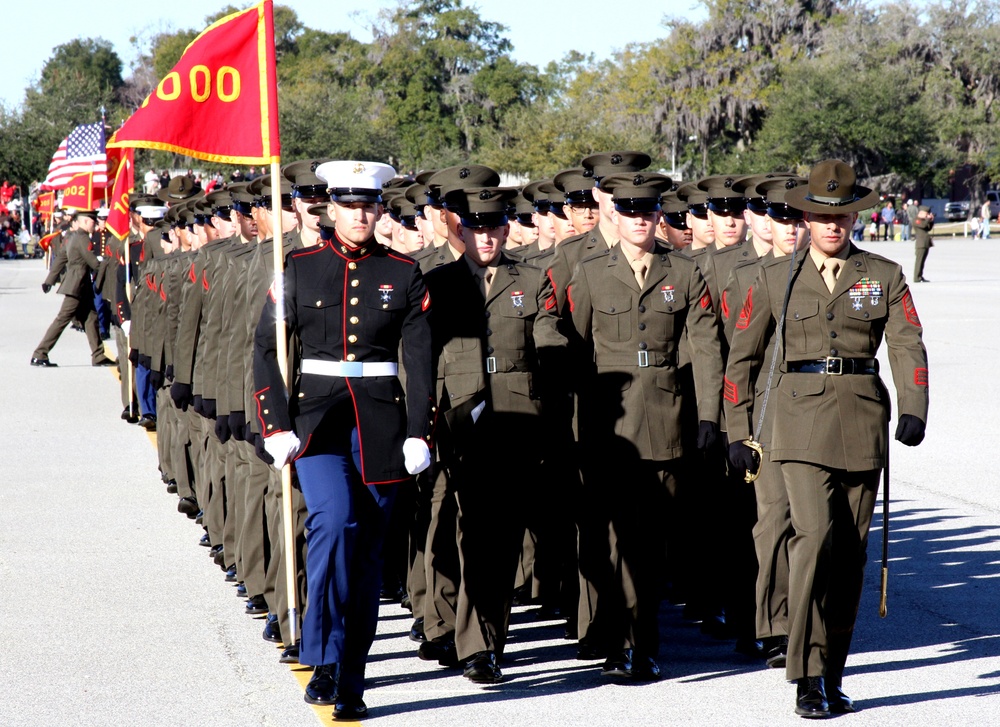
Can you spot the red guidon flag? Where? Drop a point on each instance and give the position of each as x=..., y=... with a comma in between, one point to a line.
x=220, y=102
x=118, y=219
x=81, y=193
x=46, y=203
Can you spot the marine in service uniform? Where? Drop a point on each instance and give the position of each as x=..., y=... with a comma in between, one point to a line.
x=923, y=224
x=78, y=263
x=830, y=424
x=492, y=341
x=523, y=232
x=773, y=527
x=631, y=308
x=353, y=432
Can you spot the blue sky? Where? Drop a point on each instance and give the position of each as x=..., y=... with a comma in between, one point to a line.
x=540, y=31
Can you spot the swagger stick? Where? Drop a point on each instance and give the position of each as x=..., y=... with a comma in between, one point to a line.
x=288, y=531
x=882, y=610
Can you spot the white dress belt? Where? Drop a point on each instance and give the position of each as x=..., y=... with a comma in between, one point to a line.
x=349, y=369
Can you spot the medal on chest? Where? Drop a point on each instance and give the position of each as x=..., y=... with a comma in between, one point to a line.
x=517, y=298
x=385, y=293
x=865, y=288
x=668, y=293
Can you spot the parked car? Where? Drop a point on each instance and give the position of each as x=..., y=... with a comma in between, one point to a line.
x=956, y=211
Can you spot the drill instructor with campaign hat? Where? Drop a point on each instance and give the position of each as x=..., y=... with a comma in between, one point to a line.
x=830, y=424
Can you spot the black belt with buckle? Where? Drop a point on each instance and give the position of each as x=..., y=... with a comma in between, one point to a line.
x=834, y=366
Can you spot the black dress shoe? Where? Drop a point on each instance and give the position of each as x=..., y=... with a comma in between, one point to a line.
x=645, y=669
x=290, y=655
x=104, y=362
x=391, y=593
x=482, y=668
x=405, y=602
x=522, y=596
x=199, y=518
x=322, y=688
x=189, y=506
x=349, y=706
x=241, y=590
x=43, y=362
x=753, y=648
x=839, y=702
x=417, y=631
x=272, y=631
x=587, y=650
x=130, y=416
x=618, y=665
x=442, y=651
x=716, y=626
x=776, y=651
x=810, y=698
x=205, y=541
x=172, y=487
x=256, y=605
x=148, y=422
x=231, y=574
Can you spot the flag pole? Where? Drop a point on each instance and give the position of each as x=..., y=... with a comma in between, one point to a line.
x=128, y=336
x=288, y=529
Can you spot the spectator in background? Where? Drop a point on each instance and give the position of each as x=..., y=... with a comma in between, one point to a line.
x=236, y=176
x=151, y=182
x=984, y=212
x=876, y=219
x=911, y=211
x=903, y=218
x=888, y=222
x=858, y=231
x=164, y=179
x=6, y=192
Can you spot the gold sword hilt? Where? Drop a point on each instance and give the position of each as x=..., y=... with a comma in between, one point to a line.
x=757, y=447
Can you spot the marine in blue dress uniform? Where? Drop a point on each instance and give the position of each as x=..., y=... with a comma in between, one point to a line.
x=346, y=421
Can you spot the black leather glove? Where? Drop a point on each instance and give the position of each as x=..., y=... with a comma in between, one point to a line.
x=156, y=379
x=169, y=373
x=910, y=430
x=238, y=425
x=208, y=408
x=145, y=361
x=708, y=432
x=46, y=287
x=222, y=430
x=196, y=402
x=133, y=356
x=258, y=447
x=742, y=457
x=181, y=395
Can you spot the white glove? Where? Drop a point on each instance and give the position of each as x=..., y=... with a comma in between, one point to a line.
x=126, y=327
x=478, y=411
x=416, y=455
x=282, y=447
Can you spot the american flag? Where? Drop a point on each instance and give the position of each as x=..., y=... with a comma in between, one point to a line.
x=81, y=152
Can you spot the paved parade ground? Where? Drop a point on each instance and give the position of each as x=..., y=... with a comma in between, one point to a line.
x=110, y=613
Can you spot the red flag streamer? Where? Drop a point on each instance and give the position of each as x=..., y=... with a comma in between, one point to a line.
x=220, y=102
x=118, y=218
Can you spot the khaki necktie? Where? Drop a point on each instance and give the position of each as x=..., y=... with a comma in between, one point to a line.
x=829, y=272
x=485, y=277
x=639, y=268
